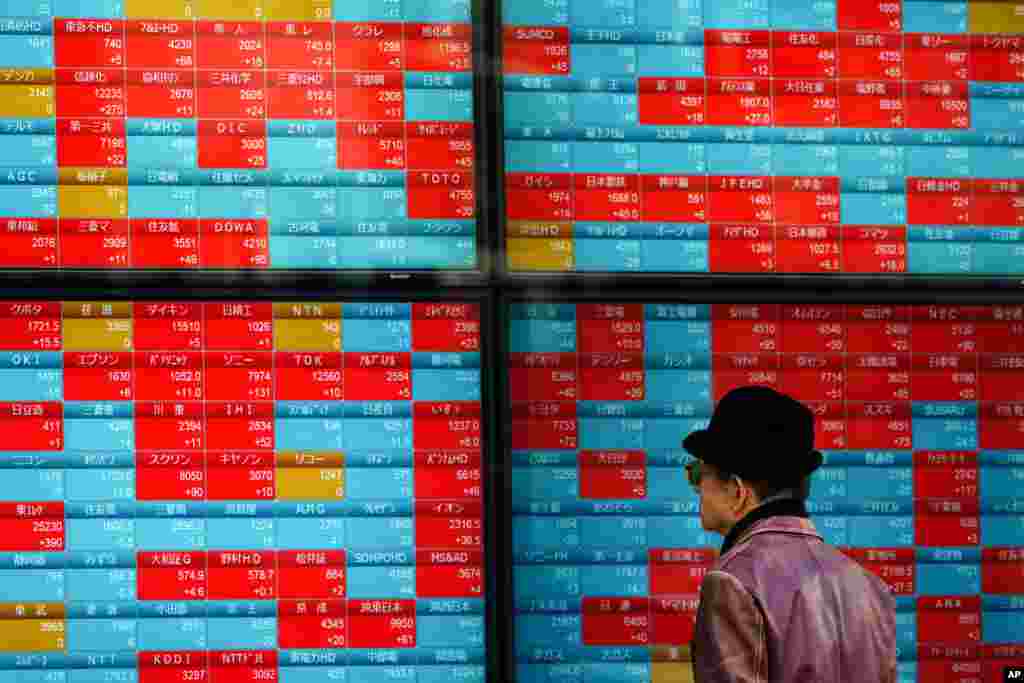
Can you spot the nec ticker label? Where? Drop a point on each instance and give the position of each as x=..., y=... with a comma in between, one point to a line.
x=240, y=491
x=919, y=415
x=765, y=136
x=248, y=134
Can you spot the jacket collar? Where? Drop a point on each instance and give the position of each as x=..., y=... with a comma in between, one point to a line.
x=783, y=507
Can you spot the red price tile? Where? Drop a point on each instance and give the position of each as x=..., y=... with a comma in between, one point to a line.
x=616, y=621
x=308, y=376
x=369, y=46
x=541, y=50
x=240, y=476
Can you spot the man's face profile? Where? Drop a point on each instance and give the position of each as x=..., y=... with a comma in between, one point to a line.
x=716, y=497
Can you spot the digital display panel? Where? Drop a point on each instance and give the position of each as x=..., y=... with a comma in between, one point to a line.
x=764, y=136
x=237, y=134
x=234, y=491
x=919, y=415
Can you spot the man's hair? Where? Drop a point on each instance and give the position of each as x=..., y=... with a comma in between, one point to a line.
x=801, y=488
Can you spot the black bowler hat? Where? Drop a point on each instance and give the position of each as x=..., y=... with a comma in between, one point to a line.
x=759, y=434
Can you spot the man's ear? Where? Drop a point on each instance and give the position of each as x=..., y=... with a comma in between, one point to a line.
x=743, y=495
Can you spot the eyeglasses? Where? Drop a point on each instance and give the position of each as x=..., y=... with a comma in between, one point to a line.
x=693, y=473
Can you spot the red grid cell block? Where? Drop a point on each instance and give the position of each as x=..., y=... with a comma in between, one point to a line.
x=871, y=104
x=89, y=42
x=237, y=143
x=168, y=93
x=448, y=474
x=938, y=104
x=540, y=376
x=314, y=624
x=956, y=663
x=369, y=46
x=242, y=575
x=894, y=566
x=996, y=58
x=162, y=44
x=238, y=426
x=674, y=619
x=243, y=666
x=158, y=325
x=612, y=474
x=371, y=145
x=679, y=571
x=98, y=376
x=607, y=197
x=172, y=575
x=165, y=243
x=307, y=45
x=996, y=658
x=542, y=425
x=445, y=327
x=30, y=242
x=946, y=522
x=1002, y=570
x=611, y=376
x=946, y=474
x=33, y=426
x=31, y=325
x=382, y=623
x=874, y=249
x=167, y=475
x=31, y=526
x=808, y=248
x=453, y=425
x=614, y=621
x=456, y=525
x=438, y=47
x=804, y=54
x=238, y=326
x=378, y=376
x=92, y=142
x=240, y=376
x=875, y=15
x=881, y=425
x=173, y=666
x=538, y=50
x=738, y=328
x=315, y=574
x=307, y=376
x=731, y=371
x=230, y=45
x=96, y=242
x=949, y=619
x=96, y=92
x=536, y=196
x=814, y=377
x=440, y=146
x=737, y=54
x=739, y=101
x=449, y=573
x=297, y=95
x=441, y=194
x=369, y=96
x=240, y=475
x=672, y=101
x=672, y=198
x=168, y=375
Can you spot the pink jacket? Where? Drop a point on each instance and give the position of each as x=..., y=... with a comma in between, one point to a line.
x=782, y=605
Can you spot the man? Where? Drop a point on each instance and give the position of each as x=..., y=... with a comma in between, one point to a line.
x=779, y=604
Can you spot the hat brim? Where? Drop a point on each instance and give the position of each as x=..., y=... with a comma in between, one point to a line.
x=701, y=444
